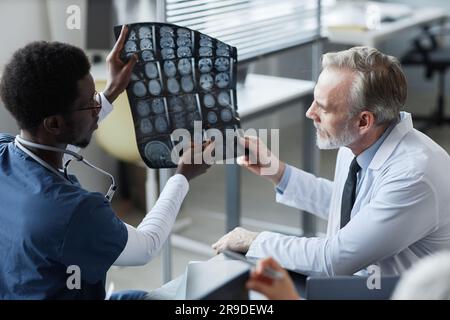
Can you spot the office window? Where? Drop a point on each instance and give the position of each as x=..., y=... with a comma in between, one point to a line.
x=255, y=27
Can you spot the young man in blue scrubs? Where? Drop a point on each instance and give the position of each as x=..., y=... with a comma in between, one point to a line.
x=51, y=229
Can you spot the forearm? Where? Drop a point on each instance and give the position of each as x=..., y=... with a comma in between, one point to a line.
x=402, y=213
x=300, y=254
x=305, y=191
x=145, y=241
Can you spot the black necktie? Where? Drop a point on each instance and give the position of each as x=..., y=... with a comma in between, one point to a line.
x=349, y=194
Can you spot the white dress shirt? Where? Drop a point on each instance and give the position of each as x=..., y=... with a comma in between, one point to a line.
x=401, y=212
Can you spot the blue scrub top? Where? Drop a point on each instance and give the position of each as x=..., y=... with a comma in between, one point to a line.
x=48, y=224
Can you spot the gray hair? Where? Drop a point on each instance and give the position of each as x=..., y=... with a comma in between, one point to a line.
x=379, y=86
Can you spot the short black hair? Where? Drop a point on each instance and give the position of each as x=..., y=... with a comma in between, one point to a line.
x=41, y=80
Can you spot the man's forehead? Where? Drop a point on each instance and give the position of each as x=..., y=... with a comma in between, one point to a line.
x=335, y=77
x=86, y=86
x=333, y=83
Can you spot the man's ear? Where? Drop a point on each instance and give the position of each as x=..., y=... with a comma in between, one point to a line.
x=366, y=120
x=54, y=124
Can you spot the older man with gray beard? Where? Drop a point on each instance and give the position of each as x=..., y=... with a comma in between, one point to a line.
x=388, y=204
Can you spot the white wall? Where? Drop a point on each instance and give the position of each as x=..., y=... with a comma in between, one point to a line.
x=402, y=43
x=21, y=22
x=418, y=3
x=57, y=18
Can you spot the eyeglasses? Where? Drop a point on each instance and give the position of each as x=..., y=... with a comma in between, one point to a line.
x=95, y=104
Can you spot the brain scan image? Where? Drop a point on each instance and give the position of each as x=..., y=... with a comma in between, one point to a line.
x=187, y=84
x=129, y=55
x=190, y=102
x=184, y=66
x=151, y=70
x=204, y=65
x=173, y=86
x=230, y=127
x=134, y=77
x=147, y=55
x=130, y=46
x=211, y=117
x=157, y=153
x=184, y=42
x=224, y=99
x=146, y=126
x=167, y=42
x=143, y=108
x=223, y=52
x=221, y=45
x=184, y=52
x=205, y=37
x=206, y=42
x=222, y=80
x=145, y=32
x=167, y=53
x=175, y=104
x=226, y=115
x=166, y=31
x=158, y=106
x=209, y=101
x=161, y=124
x=205, y=52
x=179, y=120
x=191, y=117
x=154, y=87
x=222, y=64
x=181, y=32
x=206, y=81
x=139, y=89
x=181, y=76
x=146, y=44
x=169, y=68
x=132, y=35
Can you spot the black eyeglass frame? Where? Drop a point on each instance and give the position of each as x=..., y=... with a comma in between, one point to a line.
x=96, y=100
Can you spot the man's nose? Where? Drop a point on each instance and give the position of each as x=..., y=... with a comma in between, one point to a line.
x=311, y=114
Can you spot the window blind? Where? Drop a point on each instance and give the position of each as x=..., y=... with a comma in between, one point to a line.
x=255, y=27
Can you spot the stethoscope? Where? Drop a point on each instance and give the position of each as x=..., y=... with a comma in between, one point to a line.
x=21, y=143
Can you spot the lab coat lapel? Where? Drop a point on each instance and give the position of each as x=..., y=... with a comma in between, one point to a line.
x=345, y=157
x=392, y=141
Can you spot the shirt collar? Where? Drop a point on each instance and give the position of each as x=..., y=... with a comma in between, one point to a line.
x=365, y=157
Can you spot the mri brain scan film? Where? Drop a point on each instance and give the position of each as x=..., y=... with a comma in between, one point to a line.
x=181, y=76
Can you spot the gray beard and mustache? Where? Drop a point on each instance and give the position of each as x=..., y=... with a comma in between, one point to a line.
x=344, y=138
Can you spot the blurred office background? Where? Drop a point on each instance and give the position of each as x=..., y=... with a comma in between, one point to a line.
x=202, y=218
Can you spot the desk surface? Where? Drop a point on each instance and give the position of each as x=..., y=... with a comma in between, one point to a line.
x=419, y=17
x=261, y=93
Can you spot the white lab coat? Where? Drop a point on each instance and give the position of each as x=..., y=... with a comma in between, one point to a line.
x=401, y=212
